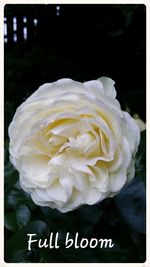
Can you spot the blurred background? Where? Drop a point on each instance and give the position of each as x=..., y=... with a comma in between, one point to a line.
x=46, y=42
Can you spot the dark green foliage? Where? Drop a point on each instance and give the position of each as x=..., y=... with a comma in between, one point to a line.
x=141, y=158
x=17, y=244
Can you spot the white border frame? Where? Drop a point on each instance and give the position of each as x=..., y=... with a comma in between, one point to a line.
x=2, y=4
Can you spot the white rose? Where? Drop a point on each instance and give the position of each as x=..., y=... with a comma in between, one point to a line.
x=72, y=144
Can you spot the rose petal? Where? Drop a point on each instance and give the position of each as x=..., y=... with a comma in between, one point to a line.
x=108, y=85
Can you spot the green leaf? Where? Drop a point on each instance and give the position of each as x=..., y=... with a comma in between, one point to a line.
x=141, y=154
x=140, y=163
x=17, y=218
x=131, y=203
x=18, y=243
x=10, y=220
x=11, y=176
x=23, y=215
x=82, y=219
x=15, y=198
